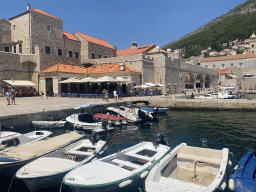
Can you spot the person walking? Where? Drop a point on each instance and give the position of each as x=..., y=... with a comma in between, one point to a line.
x=47, y=93
x=115, y=95
x=42, y=94
x=13, y=97
x=8, y=95
x=104, y=94
x=120, y=95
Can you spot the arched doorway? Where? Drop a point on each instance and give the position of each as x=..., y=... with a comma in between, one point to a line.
x=189, y=81
x=207, y=81
x=199, y=81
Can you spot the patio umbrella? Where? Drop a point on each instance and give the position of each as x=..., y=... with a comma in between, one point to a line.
x=121, y=79
x=71, y=80
x=144, y=86
x=151, y=84
x=159, y=85
x=136, y=87
x=104, y=79
x=87, y=80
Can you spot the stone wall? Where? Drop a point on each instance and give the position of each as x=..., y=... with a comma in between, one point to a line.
x=5, y=34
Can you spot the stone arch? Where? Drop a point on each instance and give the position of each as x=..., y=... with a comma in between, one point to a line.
x=189, y=81
x=29, y=68
x=207, y=81
x=199, y=81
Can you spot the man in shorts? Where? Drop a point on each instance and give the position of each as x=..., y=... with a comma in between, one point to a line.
x=8, y=96
x=115, y=95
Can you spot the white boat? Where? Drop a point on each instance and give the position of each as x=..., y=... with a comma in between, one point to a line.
x=49, y=124
x=49, y=170
x=207, y=96
x=118, y=171
x=226, y=95
x=10, y=139
x=15, y=157
x=124, y=112
x=190, y=169
x=87, y=121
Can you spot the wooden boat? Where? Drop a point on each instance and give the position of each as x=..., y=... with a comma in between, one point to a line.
x=117, y=171
x=116, y=120
x=243, y=177
x=10, y=139
x=87, y=121
x=188, y=168
x=49, y=124
x=49, y=170
x=14, y=158
x=123, y=112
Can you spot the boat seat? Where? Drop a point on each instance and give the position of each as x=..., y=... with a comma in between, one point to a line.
x=80, y=153
x=125, y=163
x=140, y=157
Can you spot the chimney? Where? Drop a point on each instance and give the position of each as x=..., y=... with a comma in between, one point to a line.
x=28, y=7
x=169, y=50
x=134, y=44
x=122, y=66
x=157, y=48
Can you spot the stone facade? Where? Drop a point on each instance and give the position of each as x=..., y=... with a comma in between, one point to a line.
x=5, y=35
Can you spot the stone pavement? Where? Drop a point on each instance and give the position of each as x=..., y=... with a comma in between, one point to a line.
x=26, y=105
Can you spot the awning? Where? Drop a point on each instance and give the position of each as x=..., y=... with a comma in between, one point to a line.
x=20, y=83
x=71, y=80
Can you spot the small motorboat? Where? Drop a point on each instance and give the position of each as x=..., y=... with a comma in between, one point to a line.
x=207, y=96
x=115, y=120
x=10, y=139
x=49, y=124
x=87, y=121
x=49, y=170
x=244, y=174
x=188, y=168
x=118, y=171
x=158, y=109
x=15, y=157
x=123, y=112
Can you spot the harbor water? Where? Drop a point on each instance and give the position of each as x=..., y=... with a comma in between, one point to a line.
x=233, y=130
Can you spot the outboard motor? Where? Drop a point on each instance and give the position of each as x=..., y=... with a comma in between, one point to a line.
x=155, y=109
x=93, y=138
x=142, y=115
x=203, y=143
x=159, y=139
x=104, y=124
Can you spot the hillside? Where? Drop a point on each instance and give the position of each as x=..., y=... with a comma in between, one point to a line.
x=237, y=23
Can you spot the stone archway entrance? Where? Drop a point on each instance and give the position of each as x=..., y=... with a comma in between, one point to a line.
x=189, y=81
x=199, y=81
x=207, y=81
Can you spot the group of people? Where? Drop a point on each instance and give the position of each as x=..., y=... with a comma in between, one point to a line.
x=117, y=95
x=10, y=96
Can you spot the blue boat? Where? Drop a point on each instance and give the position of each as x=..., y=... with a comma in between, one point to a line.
x=244, y=174
x=151, y=109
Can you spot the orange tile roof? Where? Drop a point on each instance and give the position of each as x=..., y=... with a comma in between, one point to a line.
x=44, y=13
x=95, y=40
x=229, y=57
x=107, y=68
x=221, y=71
x=69, y=36
x=136, y=50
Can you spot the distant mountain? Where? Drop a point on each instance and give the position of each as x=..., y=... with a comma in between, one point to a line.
x=237, y=23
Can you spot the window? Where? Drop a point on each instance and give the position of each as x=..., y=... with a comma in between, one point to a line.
x=60, y=52
x=77, y=55
x=70, y=53
x=20, y=48
x=252, y=45
x=106, y=56
x=14, y=48
x=99, y=56
x=6, y=49
x=222, y=66
x=48, y=27
x=93, y=55
x=241, y=65
x=13, y=27
x=214, y=66
x=231, y=64
x=47, y=50
x=180, y=80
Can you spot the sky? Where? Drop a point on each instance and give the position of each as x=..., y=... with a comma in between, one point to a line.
x=120, y=22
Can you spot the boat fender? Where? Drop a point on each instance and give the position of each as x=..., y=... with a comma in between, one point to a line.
x=144, y=174
x=229, y=163
x=125, y=183
x=231, y=184
x=223, y=186
x=101, y=152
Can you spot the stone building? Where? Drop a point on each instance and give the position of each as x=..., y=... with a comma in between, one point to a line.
x=34, y=41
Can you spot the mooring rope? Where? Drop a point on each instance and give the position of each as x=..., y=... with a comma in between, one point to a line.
x=11, y=183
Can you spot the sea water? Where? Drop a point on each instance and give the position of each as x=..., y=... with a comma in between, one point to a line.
x=233, y=130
